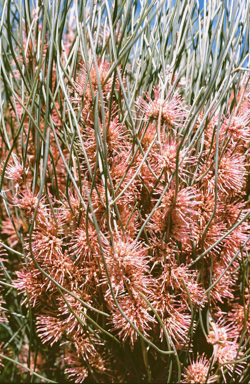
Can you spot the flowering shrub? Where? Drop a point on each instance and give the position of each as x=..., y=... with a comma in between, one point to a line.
x=124, y=193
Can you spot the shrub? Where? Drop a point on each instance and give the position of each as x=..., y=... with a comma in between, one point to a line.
x=125, y=137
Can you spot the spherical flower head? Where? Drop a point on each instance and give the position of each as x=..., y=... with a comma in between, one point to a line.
x=181, y=279
x=86, y=358
x=150, y=109
x=102, y=70
x=30, y=282
x=147, y=136
x=15, y=172
x=69, y=210
x=228, y=353
x=178, y=323
x=167, y=159
x=170, y=110
x=127, y=266
x=223, y=337
x=116, y=137
x=83, y=243
x=83, y=87
x=217, y=336
x=84, y=344
x=69, y=320
x=237, y=130
x=77, y=370
x=169, y=155
x=231, y=175
x=197, y=372
x=28, y=202
x=50, y=328
x=238, y=316
x=45, y=246
x=178, y=218
x=224, y=287
x=137, y=311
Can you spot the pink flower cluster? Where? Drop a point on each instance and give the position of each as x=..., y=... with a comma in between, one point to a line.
x=151, y=217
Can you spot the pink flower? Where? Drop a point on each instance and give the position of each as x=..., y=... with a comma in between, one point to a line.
x=128, y=267
x=231, y=176
x=28, y=202
x=135, y=308
x=31, y=280
x=198, y=372
x=224, y=287
x=177, y=219
x=50, y=328
x=171, y=109
x=222, y=332
x=77, y=370
x=15, y=172
x=227, y=353
x=83, y=244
